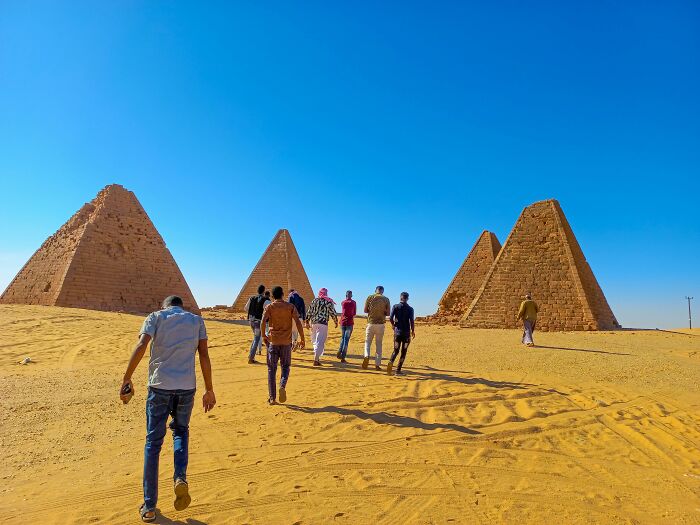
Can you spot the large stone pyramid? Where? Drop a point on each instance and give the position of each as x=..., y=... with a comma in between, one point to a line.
x=542, y=256
x=108, y=256
x=279, y=266
x=469, y=278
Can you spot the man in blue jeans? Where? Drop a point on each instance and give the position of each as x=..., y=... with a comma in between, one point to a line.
x=347, y=323
x=175, y=336
x=254, y=307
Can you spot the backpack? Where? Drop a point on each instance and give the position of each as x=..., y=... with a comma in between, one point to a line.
x=256, y=306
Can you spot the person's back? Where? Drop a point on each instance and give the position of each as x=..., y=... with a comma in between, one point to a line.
x=175, y=336
x=257, y=306
x=377, y=305
x=298, y=301
x=402, y=315
x=280, y=322
x=528, y=310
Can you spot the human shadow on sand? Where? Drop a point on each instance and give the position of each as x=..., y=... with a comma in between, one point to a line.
x=384, y=418
x=164, y=520
x=434, y=374
x=579, y=350
x=241, y=322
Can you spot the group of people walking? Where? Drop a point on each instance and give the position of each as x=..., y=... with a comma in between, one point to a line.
x=176, y=335
x=280, y=327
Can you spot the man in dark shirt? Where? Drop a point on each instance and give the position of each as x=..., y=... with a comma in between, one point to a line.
x=402, y=320
x=254, y=308
x=347, y=323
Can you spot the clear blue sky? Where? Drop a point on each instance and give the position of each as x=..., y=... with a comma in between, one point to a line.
x=384, y=137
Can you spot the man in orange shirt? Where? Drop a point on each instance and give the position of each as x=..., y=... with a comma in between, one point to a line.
x=280, y=315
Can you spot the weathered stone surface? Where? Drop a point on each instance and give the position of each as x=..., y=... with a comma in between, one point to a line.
x=279, y=266
x=542, y=256
x=468, y=279
x=108, y=256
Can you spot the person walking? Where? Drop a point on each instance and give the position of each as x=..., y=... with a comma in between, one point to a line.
x=320, y=310
x=279, y=317
x=528, y=313
x=298, y=301
x=267, y=301
x=175, y=335
x=254, y=307
x=403, y=322
x=347, y=323
x=377, y=308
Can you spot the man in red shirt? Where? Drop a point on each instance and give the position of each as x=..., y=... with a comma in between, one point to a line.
x=347, y=322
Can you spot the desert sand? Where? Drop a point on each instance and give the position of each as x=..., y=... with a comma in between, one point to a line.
x=595, y=427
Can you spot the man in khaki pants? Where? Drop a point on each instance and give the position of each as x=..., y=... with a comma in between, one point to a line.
x=377, y=307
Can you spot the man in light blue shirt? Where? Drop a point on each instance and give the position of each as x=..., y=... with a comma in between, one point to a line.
x=176, y=335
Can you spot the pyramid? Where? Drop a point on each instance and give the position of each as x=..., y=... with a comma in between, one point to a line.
x=279, y=266
x=466, y=283
x=108, y=256
x=542, y=256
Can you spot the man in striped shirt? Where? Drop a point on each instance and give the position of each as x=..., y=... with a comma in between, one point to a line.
x=320, y=310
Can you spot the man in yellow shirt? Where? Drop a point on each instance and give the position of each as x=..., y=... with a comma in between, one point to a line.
x=528, y=313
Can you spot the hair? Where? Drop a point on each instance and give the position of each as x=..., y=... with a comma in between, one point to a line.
x=172, y=300
x=349, y=292
x=379, y=289
x=292, y=290
x=261, y=288
x=404, y=295
x=277, y=292
x=267, y=293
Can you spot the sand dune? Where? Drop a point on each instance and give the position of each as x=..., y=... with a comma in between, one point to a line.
x=585, y=428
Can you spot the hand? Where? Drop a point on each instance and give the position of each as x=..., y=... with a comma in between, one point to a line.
x=307, y=325
x=336, y=324
x=301, y=344
x=413, y=335
x=126, y=397
x=266, y=340
x=208, y=400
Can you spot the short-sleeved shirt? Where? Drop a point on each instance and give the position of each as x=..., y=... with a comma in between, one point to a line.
x=175, y=337
x=280, y=316
x=376, y=306
x=402, y=315
x=349, y=309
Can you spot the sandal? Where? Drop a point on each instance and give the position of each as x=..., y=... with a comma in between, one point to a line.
x=147, y=515
x=182, y=495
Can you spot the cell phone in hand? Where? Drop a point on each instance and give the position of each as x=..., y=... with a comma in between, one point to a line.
x=127, y=393
x=126, y=389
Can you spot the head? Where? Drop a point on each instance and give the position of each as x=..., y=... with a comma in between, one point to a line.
x=348, y=294
x=292, y=291
x=403, y=297
x=528, y=296
x=379, y=289
x=267, y=293
x=172, y=300
x=277, y=292
x=261, y=289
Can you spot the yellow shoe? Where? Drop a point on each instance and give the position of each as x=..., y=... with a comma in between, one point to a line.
x=389, y=367
x=365, y=363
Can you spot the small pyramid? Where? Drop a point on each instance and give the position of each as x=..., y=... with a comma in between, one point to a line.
x=542, y=256
x=108, y=256
x=468, y=279
x=279, y=266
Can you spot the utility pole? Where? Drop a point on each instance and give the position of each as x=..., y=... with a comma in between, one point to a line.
x=690, y=317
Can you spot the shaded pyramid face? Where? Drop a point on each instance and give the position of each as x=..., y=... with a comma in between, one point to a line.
x=542, y=256
x=469, y=278
x=279, y=266
x=108, y=256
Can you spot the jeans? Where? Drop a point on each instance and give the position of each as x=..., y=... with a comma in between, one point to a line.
x=401, y=343
x=528, y=328
x=159, y=405
x=283, y=353
x=319, y=334
x=257, y=336
x=345, y=333
x=374, y=331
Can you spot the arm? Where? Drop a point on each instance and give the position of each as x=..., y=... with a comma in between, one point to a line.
x=300, y=328
x=521, y=311
x=413, y=325
x=263, y=326
x=387, y=307
x=209, y=399
x=391, y=317
x=332, y=313
x=134, y=360
x=367, y=305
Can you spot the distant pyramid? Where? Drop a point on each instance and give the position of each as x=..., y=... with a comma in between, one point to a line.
x=108, y=256
x=542, y=256
x=469, y=278
x=279, y=266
